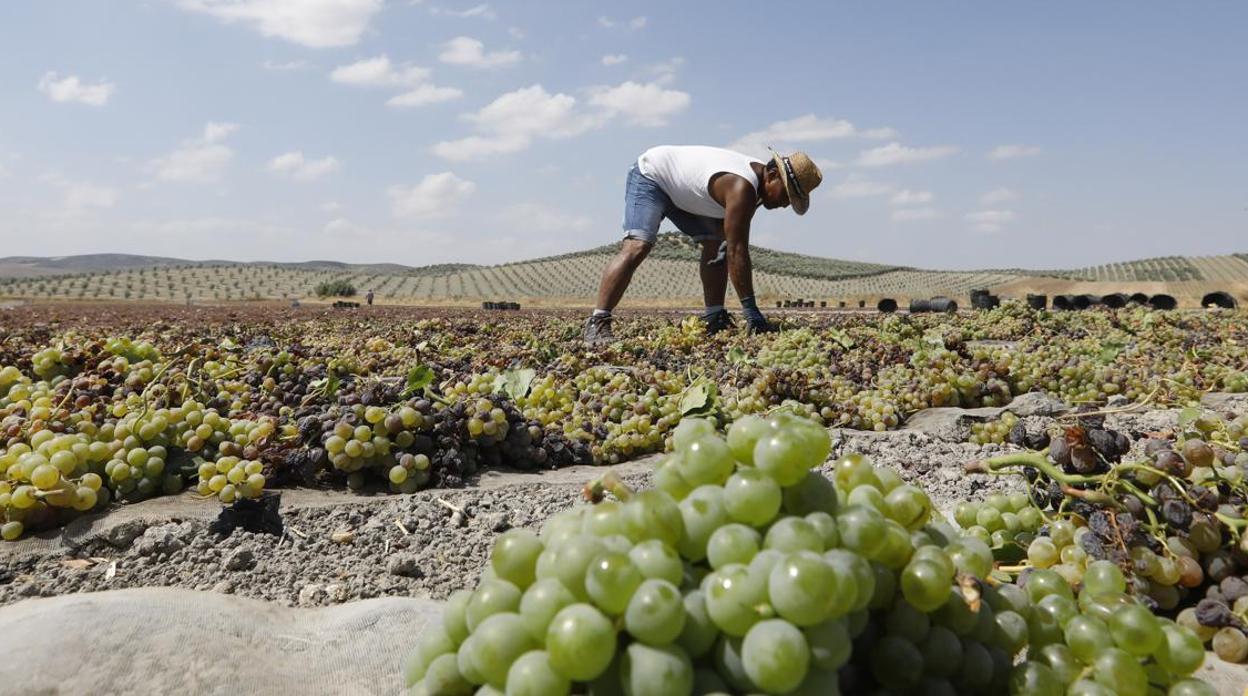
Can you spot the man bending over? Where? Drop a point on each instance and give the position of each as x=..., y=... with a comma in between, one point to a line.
x=711, y=195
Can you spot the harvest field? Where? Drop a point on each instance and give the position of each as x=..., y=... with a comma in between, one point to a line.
x=668, y=278
x=1004, y=501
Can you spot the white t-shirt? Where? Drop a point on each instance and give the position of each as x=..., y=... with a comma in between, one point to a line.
x=684, y=173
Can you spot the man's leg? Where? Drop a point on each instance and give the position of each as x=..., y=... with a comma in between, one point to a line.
x=617, y=275
x=714, y=276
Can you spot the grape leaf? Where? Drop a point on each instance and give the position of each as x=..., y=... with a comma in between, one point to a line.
x=847, y=343
x=1110, y=351
x=736, y=356
x=515, y=383
x=418, y=378
x=698, y=397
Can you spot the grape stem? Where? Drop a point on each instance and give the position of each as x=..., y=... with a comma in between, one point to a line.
x=596, y=490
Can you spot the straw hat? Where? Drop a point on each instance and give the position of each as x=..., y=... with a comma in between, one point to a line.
x=801, y=176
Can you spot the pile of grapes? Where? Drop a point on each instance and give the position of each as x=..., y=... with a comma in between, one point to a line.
x=109, y=408
x=1172, y=524
x=745, y=570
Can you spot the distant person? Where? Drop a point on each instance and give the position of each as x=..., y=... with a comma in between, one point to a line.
x=369, y=298
x=711, y=195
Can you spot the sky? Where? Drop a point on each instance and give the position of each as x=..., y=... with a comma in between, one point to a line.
x=950, y=134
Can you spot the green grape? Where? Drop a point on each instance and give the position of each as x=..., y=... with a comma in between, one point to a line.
x=733, y=597
x=909, y=506
x=580, y=642
x=703, y=513
x=689, y=430
x=1062, y=661
x=732, y=543
x=1012, y=630
x=1104, y=577
x=830, y=644
x=655, y=613
x=896, y=663
x=862, y=530
x=541, y=602
x=775, y=655
x=532, y=675
x=925, y=585
x=699, y=633
x=752, y=497
x=706, y=461
x=1116, y=669
x=668, y=479
x=1191, y=687
x=793, y=534
x=1046, y=582
x=942, y=652
x=904, y=621
x=656, y=560
x=497, y=642
x=743, y=435
x=856, y=574
x=652, y=515
x=782, y=456
x=1035, y=679
x=825, y=524
x=1061, y=608
x=514, y=556
x=661, y=670
x=805, y=590
x=814, y=493
x=491, y=597
x=1087, y=636
x=1180, y=651
x=1135, y=630
x=1042, y=553
x=571, y=561
x=454, y=616
x=971, y=556
x=610, y=582
x=443, y=677
x=1086, y=687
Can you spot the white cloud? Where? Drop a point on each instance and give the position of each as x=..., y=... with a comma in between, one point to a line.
x=476, y=147
x=294, y=165
x=483, y=11
x=201, y=159
x=896, y=153
x=1004, y=152
x=915, y=214
x=998, y=195
x=908, y=197
x=511, y=122
x=313, y=23
x=331, y=206
x=614, y=58
x=606, y=22
x=423, y=95
x=342, y=228
x=71, y=89
x=79, y=195
x=535, y=217
x=989, y=220
x=279, y=66
x=642, y=104
x=216, y=131
x=665, y=72
x=469, y=52
x=803, y=129
x=436, y=195
x=379, y=72
x=637, y=22
x=856, y=186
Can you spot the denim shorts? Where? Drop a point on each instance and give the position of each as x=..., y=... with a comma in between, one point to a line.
x=646, y=204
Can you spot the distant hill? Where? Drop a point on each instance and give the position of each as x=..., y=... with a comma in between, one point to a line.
x=669, y=276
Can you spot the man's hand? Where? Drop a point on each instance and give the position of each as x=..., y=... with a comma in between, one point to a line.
x=761, y=326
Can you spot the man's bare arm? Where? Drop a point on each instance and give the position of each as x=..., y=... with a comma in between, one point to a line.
x=739, y=206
